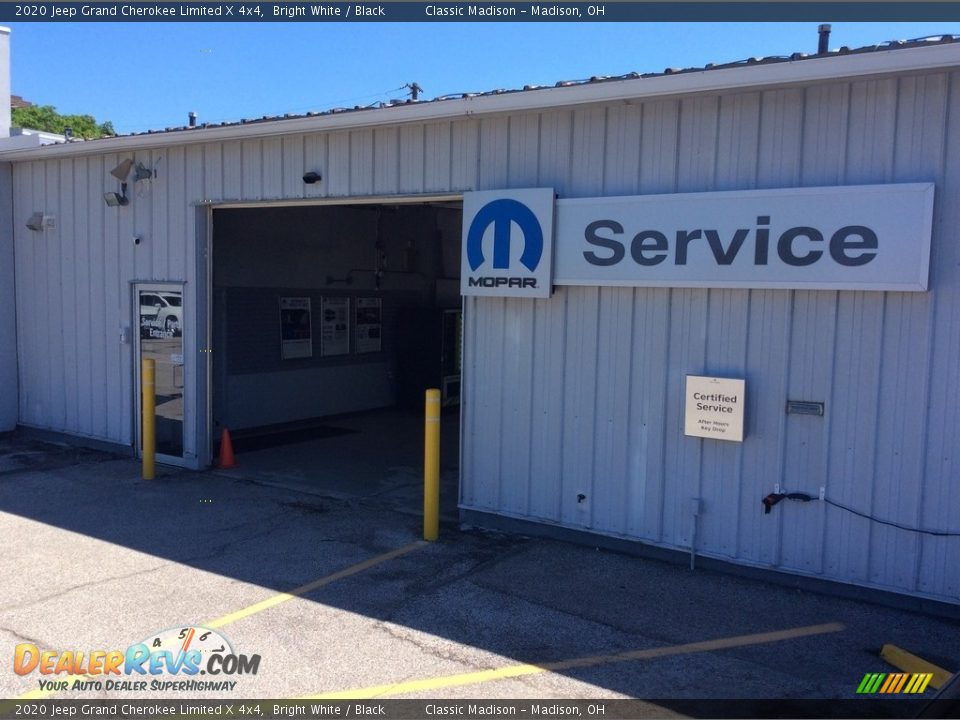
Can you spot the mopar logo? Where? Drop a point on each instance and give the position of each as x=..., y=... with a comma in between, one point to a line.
x=502, y=214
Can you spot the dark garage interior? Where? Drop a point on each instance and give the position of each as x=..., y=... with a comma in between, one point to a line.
x=329, y=323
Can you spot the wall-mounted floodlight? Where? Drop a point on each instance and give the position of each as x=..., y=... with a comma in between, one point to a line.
x=39, y=222
x=121, y=171
x=312, y=177
x=117, y=199
x=35, y=222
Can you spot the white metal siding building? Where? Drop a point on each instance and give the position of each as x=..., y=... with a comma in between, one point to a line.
x=580, y=394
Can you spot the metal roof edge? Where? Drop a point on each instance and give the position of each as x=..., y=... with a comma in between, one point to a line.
x=810, y=69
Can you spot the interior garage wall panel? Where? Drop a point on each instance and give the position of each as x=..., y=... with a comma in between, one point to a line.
x=251, y=399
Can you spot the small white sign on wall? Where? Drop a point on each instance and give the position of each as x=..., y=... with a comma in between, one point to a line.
x=335, y=326
x=715, y=408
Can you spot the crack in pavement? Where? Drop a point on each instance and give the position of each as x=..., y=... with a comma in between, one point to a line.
x=18, y=636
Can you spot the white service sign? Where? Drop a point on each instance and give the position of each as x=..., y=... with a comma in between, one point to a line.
x=508, y=243
x=867, y=237
x=714, y=408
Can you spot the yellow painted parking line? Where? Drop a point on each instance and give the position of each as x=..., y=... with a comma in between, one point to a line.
x=310, y=586
x=268, y=603
x=908, y=662
x=512, y=671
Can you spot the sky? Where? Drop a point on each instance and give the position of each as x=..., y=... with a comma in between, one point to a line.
x=147, y=75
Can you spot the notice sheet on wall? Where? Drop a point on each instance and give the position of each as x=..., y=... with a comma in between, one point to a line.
x=296, y=336
x=369, y=325
x=335, y=327
x=714, y=408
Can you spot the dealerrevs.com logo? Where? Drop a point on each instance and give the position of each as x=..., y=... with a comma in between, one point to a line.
x=507, y=243
x=170, y=660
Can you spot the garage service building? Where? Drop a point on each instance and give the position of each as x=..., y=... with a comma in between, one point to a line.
x=712, y=311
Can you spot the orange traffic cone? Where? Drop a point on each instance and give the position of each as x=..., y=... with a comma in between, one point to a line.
x=226, y=451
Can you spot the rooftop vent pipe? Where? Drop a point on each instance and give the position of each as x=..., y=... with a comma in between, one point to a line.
x=823, y=45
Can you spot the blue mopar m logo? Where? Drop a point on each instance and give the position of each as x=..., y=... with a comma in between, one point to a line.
x=501, y=214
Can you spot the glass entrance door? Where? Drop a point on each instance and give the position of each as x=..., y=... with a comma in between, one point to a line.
x=159, y=318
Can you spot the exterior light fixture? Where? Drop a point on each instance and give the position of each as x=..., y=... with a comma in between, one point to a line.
x=35, y=222
x=121, y=171
x=141, y=172
x=117, y=199
x=312, y=177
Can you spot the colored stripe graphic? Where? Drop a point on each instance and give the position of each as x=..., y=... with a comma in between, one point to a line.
x=901, y=682
x=891, y=680
x=862, y=687
x=893, y=683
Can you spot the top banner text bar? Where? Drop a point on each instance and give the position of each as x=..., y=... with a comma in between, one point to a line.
x=249, y=12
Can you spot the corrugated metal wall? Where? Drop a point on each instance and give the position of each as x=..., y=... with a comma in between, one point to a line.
x=73, y=282
x=583, y=393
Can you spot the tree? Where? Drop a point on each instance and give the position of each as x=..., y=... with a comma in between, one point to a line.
x=46, y=118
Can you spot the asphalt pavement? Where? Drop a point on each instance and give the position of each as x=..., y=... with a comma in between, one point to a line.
x=338, y=596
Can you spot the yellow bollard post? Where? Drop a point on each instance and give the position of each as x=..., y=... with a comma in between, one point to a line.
x=431, y=467
x=148, y=374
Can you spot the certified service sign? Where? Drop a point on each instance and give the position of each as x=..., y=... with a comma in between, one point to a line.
x=714, y=408
x=508, y=243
